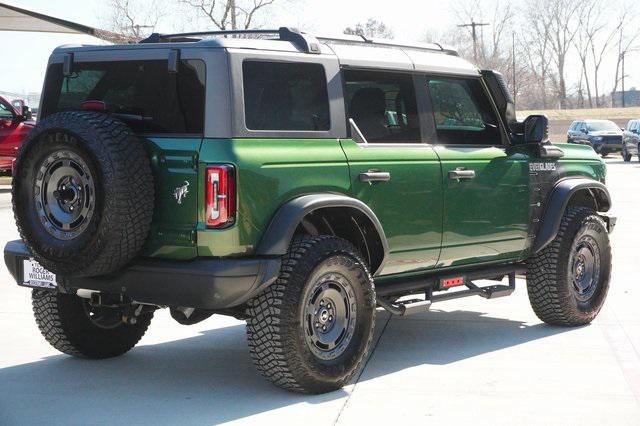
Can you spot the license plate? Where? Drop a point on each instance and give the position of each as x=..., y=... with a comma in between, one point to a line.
x=34, y=275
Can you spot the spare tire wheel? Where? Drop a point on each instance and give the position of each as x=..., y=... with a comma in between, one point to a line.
x=83, y=193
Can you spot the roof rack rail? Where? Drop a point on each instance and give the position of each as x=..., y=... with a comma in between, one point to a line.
x=359, y=38
x=307, y=43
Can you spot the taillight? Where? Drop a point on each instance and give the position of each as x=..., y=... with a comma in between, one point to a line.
x=220, y=195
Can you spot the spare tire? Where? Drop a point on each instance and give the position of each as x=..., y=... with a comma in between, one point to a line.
x=83, y=193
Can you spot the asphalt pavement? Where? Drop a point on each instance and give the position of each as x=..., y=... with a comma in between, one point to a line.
x=467, y=361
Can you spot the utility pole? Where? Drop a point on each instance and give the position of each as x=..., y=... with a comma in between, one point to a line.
x=623, y=101
x=474, y=36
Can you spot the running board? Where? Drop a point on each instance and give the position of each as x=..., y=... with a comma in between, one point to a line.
x=416, y=306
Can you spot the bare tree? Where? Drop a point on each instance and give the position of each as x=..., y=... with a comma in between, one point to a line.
x=583, y=42
x=132, y=20
x=627, y=35
x=562, y=18
x=229, y=14
x=370, y=29
x=537, y=51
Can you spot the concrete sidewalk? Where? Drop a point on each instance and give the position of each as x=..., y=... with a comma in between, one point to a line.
x=468, y=361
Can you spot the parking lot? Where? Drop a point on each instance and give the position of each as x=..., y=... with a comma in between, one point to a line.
x=466, y=361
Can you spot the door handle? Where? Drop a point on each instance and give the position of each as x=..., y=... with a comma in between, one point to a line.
x=461, y=173
x=375, y=176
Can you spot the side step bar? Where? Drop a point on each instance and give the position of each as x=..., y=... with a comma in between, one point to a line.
x=429, y=286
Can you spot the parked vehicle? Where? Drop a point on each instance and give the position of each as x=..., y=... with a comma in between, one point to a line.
x=14, y=128
x=604, y=136
x=631, y=140
x=328, y=177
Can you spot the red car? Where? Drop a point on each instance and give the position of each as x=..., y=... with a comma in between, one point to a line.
x=14, y=127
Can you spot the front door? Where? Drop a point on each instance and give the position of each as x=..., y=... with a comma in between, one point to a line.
x=391, y=169
x=8, y=135
x=486, y=192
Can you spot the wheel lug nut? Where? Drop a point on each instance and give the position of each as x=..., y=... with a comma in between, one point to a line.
x=324, y=328
x=330, y=318
x=328, y=305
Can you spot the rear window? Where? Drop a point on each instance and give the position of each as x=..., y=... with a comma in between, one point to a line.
x=142, y=93
x=285, y=96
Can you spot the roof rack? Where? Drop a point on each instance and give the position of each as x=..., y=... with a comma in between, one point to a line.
x=304, y=41
x=307, y=43
x=359, y=38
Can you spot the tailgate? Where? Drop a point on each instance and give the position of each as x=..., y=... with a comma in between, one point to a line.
x=174, y=164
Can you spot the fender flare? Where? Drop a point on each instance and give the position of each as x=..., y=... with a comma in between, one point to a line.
x=557, y=204
x=279, y=233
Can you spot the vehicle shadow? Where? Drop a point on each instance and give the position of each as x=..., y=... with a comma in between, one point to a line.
x=209, y=378
x=440, y=338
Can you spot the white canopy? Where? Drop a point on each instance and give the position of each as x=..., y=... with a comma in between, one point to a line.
x=13, y=18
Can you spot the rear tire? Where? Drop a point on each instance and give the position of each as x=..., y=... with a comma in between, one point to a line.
x=311, y=330
x=65, y=323
x=568, y=280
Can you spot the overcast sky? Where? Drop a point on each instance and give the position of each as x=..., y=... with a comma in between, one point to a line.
x=25, y=54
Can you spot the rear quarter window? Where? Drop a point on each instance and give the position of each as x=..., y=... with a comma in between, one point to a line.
x=285, y=96
x=142, y=93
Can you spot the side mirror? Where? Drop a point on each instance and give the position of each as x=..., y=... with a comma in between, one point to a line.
x=26, y=113
x=536, y=129
x=585, y=131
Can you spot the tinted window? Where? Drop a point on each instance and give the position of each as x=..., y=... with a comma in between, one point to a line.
x=383, y=106
x=142, y=93
x=285, y=96
x=462, y=112
x=604, y=125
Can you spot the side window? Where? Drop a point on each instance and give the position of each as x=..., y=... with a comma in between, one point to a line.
x=285, y=96
x=574, y=126
x=383, y=106
x=462, y=112
x=5, y=111
x=583, y=127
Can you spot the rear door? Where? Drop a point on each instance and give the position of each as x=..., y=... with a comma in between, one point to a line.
x=391, y=169
x=486, y=195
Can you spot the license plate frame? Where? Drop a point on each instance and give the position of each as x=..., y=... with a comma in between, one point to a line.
x=35, y=275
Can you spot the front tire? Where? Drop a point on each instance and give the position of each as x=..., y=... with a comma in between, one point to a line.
x=568, y=280
x=311, y=330
x=625, y=155
x=71, y=326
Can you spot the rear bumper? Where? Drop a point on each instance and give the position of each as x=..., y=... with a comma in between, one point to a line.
x=207, y=283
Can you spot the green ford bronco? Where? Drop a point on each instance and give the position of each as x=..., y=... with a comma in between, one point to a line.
x=298, y=183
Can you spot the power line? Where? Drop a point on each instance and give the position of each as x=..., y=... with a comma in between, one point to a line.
x=474, y=35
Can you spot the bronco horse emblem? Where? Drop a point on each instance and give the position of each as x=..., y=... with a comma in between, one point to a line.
x=180, y=192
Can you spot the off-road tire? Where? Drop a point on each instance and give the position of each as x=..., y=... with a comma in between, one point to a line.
x=63, y=322
x=549, y=283
x=275, y=331
x=123, y=193
x=625, y=155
